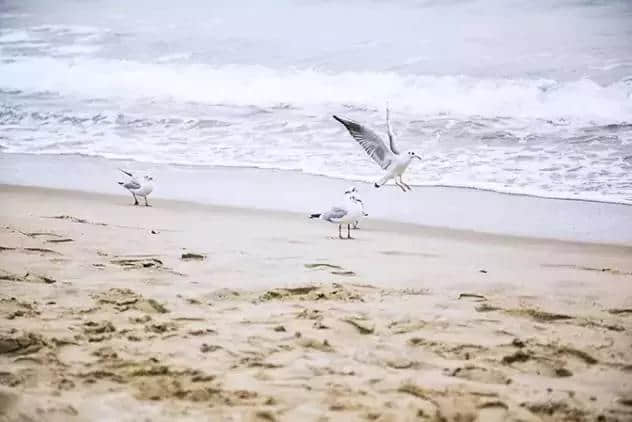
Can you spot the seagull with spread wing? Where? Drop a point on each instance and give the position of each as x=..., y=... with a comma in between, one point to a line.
x=389, y=158
x=138, y=188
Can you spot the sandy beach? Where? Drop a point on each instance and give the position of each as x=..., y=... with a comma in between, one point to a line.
x=488, y=144
x=196, y=312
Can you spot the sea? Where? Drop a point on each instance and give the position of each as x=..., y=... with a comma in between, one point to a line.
x=527, y=97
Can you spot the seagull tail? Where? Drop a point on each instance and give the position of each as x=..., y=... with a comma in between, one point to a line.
x=315, y=215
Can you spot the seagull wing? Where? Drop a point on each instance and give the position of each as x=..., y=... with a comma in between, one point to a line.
x=127, y=172
x=370, y=141
x=132, y=184
x=335, y=213
x=391, y=139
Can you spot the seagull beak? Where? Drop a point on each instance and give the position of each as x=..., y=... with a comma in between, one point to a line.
x=417, y=157
x=366, y=215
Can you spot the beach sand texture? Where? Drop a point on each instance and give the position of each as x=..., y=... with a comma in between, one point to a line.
x=193, y=312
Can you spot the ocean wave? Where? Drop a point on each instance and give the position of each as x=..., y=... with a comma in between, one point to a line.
x=15, y=36
x=66, y=29
x=502, y=154
x=425, y=95
x=76, y=49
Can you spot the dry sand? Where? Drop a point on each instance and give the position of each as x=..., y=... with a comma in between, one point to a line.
x=104, y=318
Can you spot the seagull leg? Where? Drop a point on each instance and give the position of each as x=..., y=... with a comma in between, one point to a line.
x=147, y=203
x=135, y=199
x=355, y=225
x=403, y=185
x=349, y=231
x=400, y=186
x=340, y=231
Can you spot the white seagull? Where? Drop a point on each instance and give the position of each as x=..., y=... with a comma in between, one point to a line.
x=138, y=188
x=353, y=191
x=346, y=214
x=387, y=158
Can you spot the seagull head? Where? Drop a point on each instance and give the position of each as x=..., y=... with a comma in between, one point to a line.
x=412, y=155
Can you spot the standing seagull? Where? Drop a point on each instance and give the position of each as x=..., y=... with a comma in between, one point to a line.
x=137, y=188
x=389, y=159
x=353, y=191
x=347, y=214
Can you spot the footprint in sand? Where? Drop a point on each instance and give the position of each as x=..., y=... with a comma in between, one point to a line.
x=192, y=256
x=480, y=374
x=548, y=359
x=41, y=251
x=620, y=311
x=449, y=351
x=336, y=292
x=140, y=262
x=406, y=253
x=472, y=296
x=63, y=240
x=20, y=343
x=76, y=220
x=13, y=308
x=40, y=234
x=323, y=265
x=336, y=269
x=344, y=273
x=28, y=277
x=123, y=299
x=587, y=268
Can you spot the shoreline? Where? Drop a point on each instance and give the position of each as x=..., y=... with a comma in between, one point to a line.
x=443, y=207
x=202, y=167
x=380, y=225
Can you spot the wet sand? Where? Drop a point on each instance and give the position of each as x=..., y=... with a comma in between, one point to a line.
x=192, y=312
x=284, y=190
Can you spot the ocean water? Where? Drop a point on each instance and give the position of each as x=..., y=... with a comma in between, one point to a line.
x=531, y=97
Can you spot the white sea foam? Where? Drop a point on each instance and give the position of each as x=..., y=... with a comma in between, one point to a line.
x=177, y=57
x=75, y=49
x=263, y=86
x=66, y=29
x=14, y=36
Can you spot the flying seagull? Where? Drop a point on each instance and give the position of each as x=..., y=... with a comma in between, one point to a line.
x=138, y=188
x=341, y=215
x=394, y=163
x=353, y=191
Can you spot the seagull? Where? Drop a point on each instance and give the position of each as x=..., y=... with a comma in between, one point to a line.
x=387, y=158
x=353, y=191
x=137, y=188
x=346, y=214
